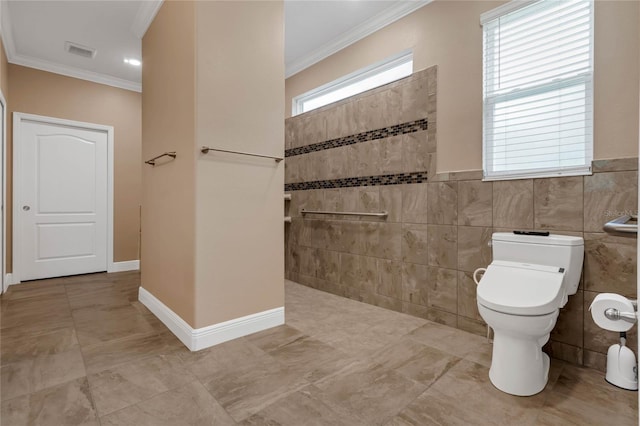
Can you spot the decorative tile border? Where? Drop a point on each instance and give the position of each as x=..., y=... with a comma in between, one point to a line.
x=385, y=132
x=396, y=179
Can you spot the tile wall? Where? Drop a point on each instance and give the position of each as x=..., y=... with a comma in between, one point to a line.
x=420, y=259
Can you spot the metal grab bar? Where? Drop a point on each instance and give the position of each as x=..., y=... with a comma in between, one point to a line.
x=621, y=224
x=152, y=161
x=206, y=149
x=381, y=214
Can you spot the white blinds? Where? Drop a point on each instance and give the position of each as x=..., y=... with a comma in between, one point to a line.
x=538, y=103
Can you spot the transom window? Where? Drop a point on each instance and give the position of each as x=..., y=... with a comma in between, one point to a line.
x=386, y=71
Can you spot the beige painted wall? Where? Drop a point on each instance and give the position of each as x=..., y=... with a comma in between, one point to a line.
x=4, y=71
x=239, y=207
x=448, y=34
x=168, y=124
x=43, y=93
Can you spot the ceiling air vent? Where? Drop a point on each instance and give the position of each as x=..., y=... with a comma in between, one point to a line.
x=80, y=50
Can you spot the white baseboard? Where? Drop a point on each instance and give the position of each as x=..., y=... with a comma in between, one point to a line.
x=200, y=338
x=129, y=265
x=8, y=280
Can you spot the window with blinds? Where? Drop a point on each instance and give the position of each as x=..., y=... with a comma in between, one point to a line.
x=538, y=89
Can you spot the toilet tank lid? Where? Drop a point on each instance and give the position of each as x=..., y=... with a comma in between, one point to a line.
x=551, y=239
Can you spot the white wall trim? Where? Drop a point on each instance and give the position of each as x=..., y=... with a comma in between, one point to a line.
x=43, y=65
x=377, y=22
x=128, y=265
x=145, y=16
x=201, y=338
x=40, y=64
x=4, y=284
x=18, y=117
x=8, y=281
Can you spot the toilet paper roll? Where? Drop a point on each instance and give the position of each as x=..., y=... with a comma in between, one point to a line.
x=604, y=301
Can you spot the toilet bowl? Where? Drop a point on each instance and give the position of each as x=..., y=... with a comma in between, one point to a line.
x=521, y=300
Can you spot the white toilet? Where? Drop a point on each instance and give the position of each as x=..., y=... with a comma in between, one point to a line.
x=520, y=296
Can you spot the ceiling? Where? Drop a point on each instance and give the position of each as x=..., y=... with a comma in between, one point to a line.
x=35, y=32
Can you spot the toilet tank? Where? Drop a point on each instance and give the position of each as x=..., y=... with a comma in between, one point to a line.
x=552, y=250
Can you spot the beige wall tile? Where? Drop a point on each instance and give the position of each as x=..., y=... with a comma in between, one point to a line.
x=442, y=246
x=475, y=203
x=415, y=289
x=291, y=132
x=389, y=279
x=559, y=350
x=391, y=202
x=338, y=121
x=610, y=264
x=467, y=300
x=313, y=128
x=477, y=327
x=379, y=110
x=415, y=243
x=328, y=266
x=615, y=165
x=390, y=244
x=473, y=248
x=415, y=151
x=308, y=261
x=391, y=161
x=443, y=208
x=364, y=158
x=415, y=203
x=414, y=101
x=608, y=196
x=570, y=324
x=558, y=203
x=368, y=273
x=442, y=286
x=350, y=270
x=513, y=204
x=351, y=237
x=595, y=360
x=368, y=200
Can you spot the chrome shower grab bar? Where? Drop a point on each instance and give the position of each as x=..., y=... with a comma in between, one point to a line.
x=621, y=224
x=206, y=149
x=381, y=214
x=152, y=161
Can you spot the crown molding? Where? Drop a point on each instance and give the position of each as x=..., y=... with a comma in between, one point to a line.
x=28, y=61
x=6, y=30
x=40, y=64
x=377, y=22
x=146, y=13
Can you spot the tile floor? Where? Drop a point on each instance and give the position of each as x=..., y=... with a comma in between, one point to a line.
x=83, y=351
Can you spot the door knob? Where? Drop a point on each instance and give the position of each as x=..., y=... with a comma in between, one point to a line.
x=26, y=208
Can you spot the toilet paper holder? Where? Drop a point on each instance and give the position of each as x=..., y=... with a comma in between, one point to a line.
x=615, y=315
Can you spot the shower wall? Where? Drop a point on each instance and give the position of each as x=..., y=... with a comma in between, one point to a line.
x=377, y=151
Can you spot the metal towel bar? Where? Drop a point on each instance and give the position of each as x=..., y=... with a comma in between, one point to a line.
x=206, y=149
x=380, y=214
x=152, y=161
x=622, y=224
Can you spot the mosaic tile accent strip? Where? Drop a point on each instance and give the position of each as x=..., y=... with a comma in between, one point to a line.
x=396, y=179
x=385, y=132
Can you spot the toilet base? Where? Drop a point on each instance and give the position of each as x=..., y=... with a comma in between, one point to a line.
x=518, y=365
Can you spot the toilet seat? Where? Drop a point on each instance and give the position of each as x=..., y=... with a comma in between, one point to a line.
x=521, y=289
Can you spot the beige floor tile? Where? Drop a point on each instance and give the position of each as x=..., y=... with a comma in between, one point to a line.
x=369, y=391
x=415, y=361
x=303, y=408
x=274, y=338
x=448, y=339
x=106, y=355
x=102, y=324
x=245, y=389
x=128, y=384
x=190, y=405
x=16, y=345
x=582, y=395
x=32, y=375
x=68, y=404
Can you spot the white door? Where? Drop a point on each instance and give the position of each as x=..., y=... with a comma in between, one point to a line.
x=63, y=197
